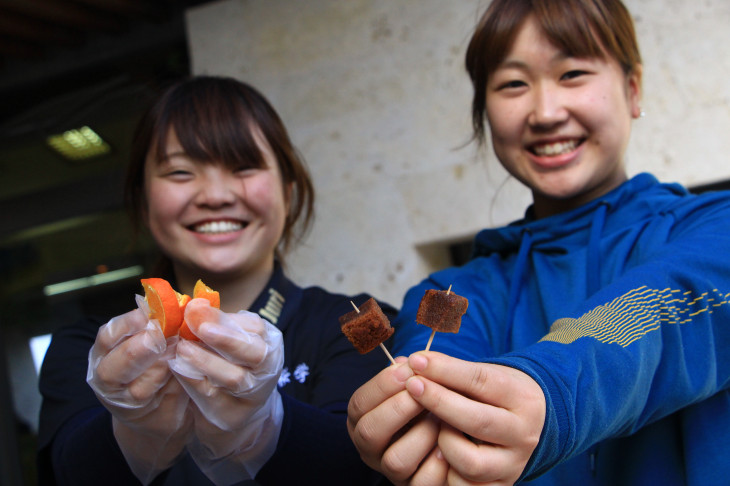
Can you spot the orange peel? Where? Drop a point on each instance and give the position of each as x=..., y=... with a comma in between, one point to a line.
x=164, y=304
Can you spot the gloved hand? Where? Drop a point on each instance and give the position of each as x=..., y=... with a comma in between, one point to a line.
x=129, y=373
x=231, y=378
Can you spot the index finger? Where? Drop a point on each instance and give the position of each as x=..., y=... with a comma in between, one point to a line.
x=199, y=311
x=119, y=328
x=131, y=358
x=481, y=420
x=497, y=385
x=382, y=386
x=238, y=337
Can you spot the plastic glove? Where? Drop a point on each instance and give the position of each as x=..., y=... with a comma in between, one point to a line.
x=129, y=373
x=231, y=378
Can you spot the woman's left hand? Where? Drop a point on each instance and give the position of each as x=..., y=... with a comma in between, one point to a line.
x=492, y=416
x=231, y=377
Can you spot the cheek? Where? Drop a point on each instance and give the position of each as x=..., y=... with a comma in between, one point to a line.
x=609, y=119
x=162, y=206
x=502, y=132
x=267, y=196
x=505, y=122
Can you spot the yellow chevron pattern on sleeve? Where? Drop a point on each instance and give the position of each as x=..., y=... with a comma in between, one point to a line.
x=636, y=313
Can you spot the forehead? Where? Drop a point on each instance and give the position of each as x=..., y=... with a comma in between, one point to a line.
x=528, y=38
x=532, y=41
x=253, y=150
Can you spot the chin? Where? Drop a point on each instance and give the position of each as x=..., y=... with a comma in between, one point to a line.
x=219, y=267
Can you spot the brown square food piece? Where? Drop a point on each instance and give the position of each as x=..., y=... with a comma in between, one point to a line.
x=441, y=310
x=367, y=328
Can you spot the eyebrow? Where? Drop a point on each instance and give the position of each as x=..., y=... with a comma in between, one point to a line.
x=517, y=64
x=178, y=153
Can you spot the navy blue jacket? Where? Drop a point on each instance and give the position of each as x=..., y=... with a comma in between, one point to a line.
x=321, y=371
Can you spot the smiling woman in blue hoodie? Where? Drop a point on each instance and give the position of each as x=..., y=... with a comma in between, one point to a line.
x=596, y=346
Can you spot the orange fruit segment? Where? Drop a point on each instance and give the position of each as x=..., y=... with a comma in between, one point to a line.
x=200, y=291
x=186, y=333
x=182, y=300
x=164, y=304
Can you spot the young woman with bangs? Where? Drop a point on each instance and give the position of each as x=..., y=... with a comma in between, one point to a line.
x=262, y=397
x=595, y=349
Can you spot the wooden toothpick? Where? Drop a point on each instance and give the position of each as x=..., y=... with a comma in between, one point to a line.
x=382, y=346
x=430, y=339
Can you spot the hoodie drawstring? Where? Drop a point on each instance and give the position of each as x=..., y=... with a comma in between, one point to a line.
x=593, y=266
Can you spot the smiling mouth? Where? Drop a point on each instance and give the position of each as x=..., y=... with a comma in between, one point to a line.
x=555, y=148
x=217, y=227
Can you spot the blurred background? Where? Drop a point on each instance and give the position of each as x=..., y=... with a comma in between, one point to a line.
x=374, y=95
x=74, y=76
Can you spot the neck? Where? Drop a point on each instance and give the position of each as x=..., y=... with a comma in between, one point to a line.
x=544, y=206
x=237, y=292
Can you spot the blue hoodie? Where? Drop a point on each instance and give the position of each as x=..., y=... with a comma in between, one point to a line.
x=620, y=310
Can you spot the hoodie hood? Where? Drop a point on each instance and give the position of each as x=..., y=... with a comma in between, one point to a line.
x=562, y=232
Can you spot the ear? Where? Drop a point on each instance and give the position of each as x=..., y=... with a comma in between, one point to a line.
x=633, y=89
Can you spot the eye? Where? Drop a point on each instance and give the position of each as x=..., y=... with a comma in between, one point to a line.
x=178, y=175
x=573, y=74
x=511, y=84
x=244, y=170
x=179, y=172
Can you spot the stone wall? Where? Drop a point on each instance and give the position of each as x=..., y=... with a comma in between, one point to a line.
x=375, y=96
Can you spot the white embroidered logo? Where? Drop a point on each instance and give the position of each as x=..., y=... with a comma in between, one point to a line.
x=301, y=373
x=285, y=377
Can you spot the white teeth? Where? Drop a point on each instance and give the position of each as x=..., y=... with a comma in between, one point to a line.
x=556, y=148
x=218, y=227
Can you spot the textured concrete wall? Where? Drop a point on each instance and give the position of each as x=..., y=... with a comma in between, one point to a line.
x=375, y=96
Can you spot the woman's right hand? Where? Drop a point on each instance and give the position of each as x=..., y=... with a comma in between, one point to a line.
x=393, y=432
x=129, y=373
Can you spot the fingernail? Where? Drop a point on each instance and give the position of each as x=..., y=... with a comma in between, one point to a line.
x=439, y=454
x=403, y=372
x=417, y=362
x=415, y=387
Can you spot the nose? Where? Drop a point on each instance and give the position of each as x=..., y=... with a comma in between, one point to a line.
x=548, y=108
x=217, y=188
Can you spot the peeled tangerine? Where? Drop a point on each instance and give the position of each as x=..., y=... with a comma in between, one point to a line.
x=441, y=310
x=366, y=327
x=168, y=306
x=200, y=291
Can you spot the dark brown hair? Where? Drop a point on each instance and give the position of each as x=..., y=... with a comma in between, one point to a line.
x=580, y=28
x=213, y=118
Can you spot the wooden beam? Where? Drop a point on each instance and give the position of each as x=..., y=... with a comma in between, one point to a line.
x=65, y=14
x=25, y=29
